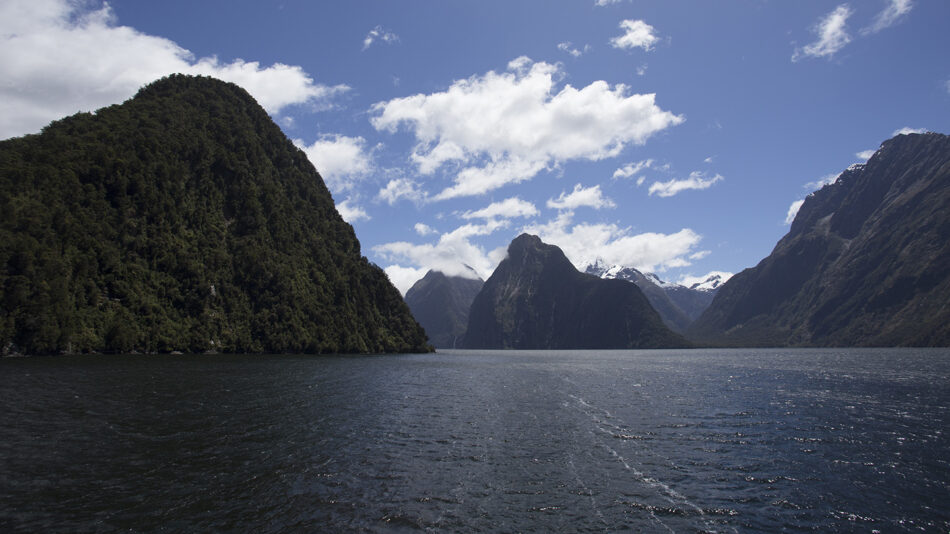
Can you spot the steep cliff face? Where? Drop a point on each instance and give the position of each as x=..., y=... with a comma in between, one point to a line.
x=182, y=220
x=441, y=304
x=536, y=299
x=866, y=261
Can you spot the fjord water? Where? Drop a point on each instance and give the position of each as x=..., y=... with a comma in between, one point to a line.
x=681, y=441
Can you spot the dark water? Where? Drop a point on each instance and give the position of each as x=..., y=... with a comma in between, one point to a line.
x=681, y=441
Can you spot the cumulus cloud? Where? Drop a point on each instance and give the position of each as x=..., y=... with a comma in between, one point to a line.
x=832, y=35
x=506, y=209
x=503, y=128
x=696, y=180
x=59, y=57
x=569, y=48
x=351, y=212
x=633, y=169
x=424, y=229
x=339, y=159
x=585, y=243
x=379, y=34
x=591, y=197
x=401, y=188
x=907, y=131
x=454, y=254
x=637, y=34
x=404, y=277
x=793, y=211
x=889, y=16
x=603, y=3
x=865, y=155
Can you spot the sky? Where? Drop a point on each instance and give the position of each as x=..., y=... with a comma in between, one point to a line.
x=676, y=137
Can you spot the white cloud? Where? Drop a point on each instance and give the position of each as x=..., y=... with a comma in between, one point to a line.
x=907, y=130
x=424, y=229
x=632, y=169
x=379, y=34
x=351, y=212
x=674, y=186
x=709, y=159
x=640, y=180
x=506, y=209
x=591, y=197
x=585, y=243
x=58, y=57
x=865, y=155
x=567, y=47
x=400, y=188
x=642, y=70
x=637, y=34
x=832, y=35
x=503, y=128
x=603, y=3
x=889, y=16
x=404, y=277
x=339, y=159
x=453, y=254
x=823, y=181
x=793, y=211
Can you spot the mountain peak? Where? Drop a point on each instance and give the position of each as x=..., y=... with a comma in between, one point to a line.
x=536, y=299
x=864, y=263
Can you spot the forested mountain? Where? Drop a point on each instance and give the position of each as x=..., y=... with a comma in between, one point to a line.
x=440, y=303
x=866, y=261
x=536, y=299
x=182, y=219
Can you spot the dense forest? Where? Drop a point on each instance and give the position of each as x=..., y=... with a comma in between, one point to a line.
x=182, y=219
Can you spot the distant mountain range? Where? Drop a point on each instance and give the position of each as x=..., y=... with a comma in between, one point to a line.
x=182, y=220
x=866, y=261
x=441, y=303
x=677, y=305
x=536, y=299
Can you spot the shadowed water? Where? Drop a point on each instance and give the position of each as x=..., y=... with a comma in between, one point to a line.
x=465, y=441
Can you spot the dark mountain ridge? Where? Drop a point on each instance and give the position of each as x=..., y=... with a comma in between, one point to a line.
x=441, y=304
x=182, y=220
x=866, y=261
x=677, y=305
x=536, y=299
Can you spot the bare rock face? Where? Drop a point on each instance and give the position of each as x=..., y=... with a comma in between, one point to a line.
x=865, y=263
x=536, y=299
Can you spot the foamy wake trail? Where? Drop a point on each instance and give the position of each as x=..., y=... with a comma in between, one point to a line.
x=603, y=422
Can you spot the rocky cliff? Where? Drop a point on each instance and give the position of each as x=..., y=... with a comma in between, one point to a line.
x=536, y=299
x=866, y=261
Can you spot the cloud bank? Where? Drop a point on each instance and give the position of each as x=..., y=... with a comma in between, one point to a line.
x=504, y=128
x=59, y=57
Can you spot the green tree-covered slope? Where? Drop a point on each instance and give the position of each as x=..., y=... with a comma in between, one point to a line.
x=182, y=219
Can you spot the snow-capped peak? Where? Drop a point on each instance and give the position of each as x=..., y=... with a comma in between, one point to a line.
x=710, y=282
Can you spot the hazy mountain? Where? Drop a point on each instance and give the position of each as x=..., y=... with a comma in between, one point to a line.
x=536, y=299
x=866, y=261
x=441, y=303
x=182, y=219
x=677, y=305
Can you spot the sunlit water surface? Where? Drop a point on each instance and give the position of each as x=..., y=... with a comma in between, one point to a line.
x=466, y=441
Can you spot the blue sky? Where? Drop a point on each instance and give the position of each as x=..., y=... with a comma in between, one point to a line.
x=669, y=136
